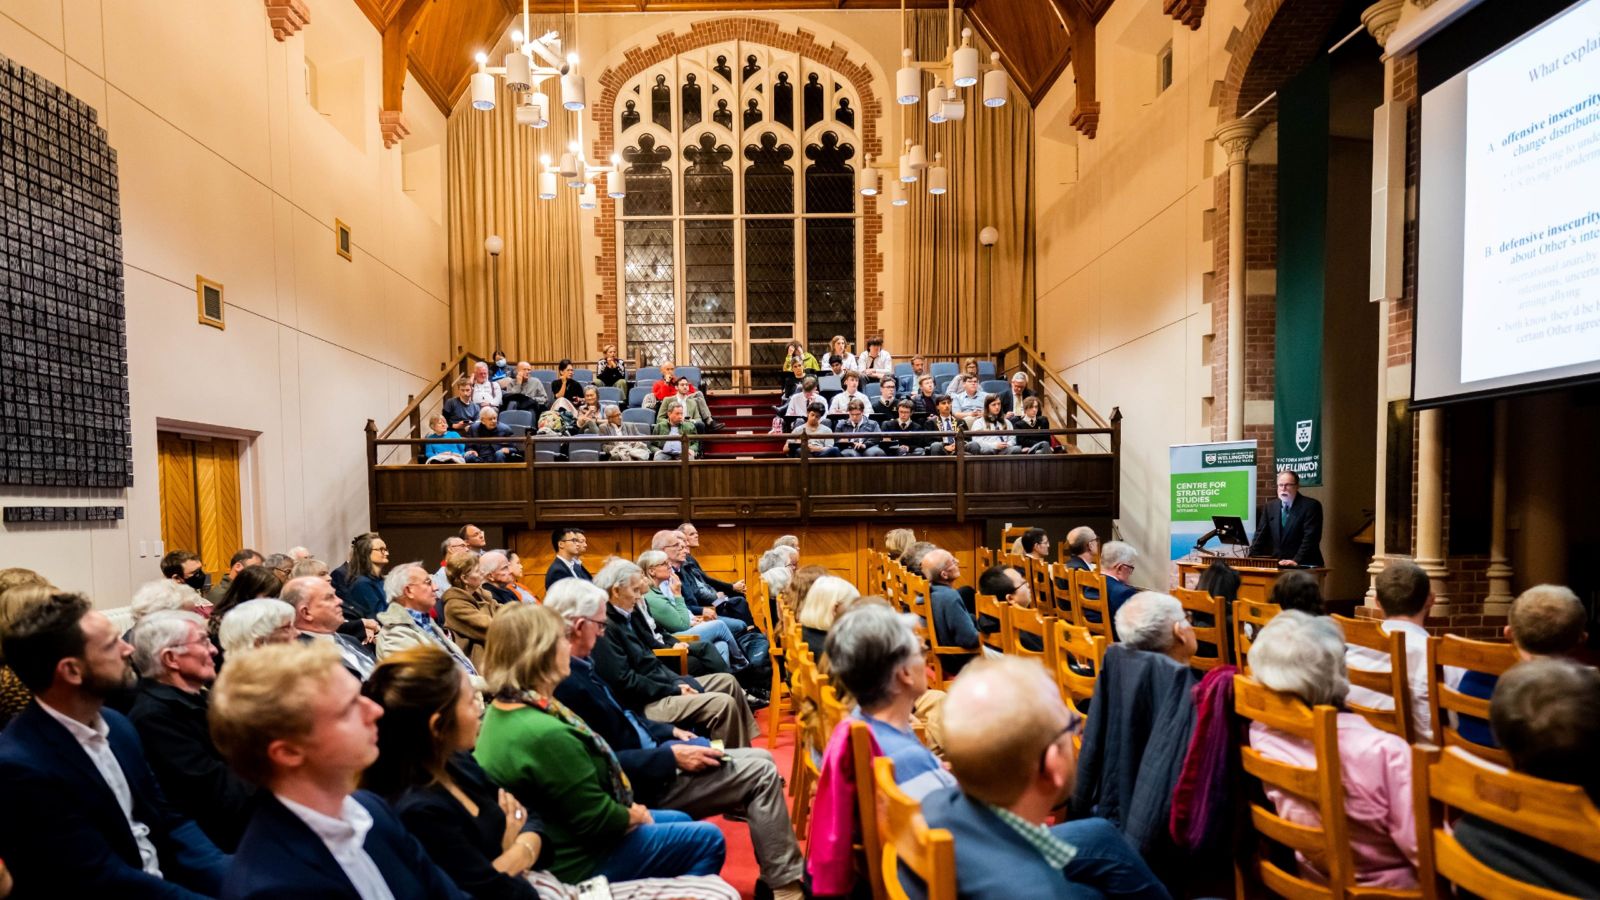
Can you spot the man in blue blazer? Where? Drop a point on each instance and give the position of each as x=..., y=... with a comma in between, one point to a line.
x=1117, y=561
x=85, y=816
x=292, y=719
x=1008, y=742
x=1290, y=527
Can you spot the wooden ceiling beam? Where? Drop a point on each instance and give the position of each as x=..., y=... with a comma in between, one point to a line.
x=397, y=35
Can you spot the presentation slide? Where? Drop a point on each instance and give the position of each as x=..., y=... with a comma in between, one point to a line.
x=1530, y=270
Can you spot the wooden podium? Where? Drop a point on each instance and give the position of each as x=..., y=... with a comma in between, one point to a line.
x=1256, y=574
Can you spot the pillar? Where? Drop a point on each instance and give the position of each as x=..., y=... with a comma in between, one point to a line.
x=1236, y=137
x=1430, y=498
x=1499, y=572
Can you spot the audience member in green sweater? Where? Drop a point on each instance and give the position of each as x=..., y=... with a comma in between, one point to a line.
x=544, y=755
x=666, y=604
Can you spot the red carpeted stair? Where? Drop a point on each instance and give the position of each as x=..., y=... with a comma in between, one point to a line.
x=744, y=413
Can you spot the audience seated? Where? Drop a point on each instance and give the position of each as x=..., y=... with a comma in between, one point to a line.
x=1304, y=656
x=859, y=435
x=547, y=757
x=840, y=404
x=1011, y=402
x=947, y=424
x=177, y=664
x=828, y=597
x=925, y=398
x=806, y=395
x=1157, y=623
x=727, y=598
x=240, y=560
x=407, y=622
x=450, y=547
x=839, y=355
x=667, y=607
x=887, y=402
x=676, y=426
x=811, y=431
x=626, y=449
x=991, y=431
x=460, y=410
x=1117, y=562
x=252, y=582
x=485, y=392
x=1298, y=589
x=919, y=370
x=1007, y=738
x=494, y=568
x=1082, y=543
x=502, y=367
x=952, y=623
x=665, y=386
x=444, y=444
x=626, y=660
x=185, y=568
x=516, y=574
x=1546, y=620
x=1036, y=544
x=570, y=544
x=968, y=367
x=671, y=768
x=903, y=433
x=966, y=401
x=468, y=609
x=1006, y=584
x=876, y=364
x=363, y=594
x=896, y=540
x=695, y=410
x=500, y=450
x=522, y=391
x=256, y=623
x=292, y=720
x=611, y=370
x=317, y=617
x=85, y=816
x=19, y=589
x=911, y=560
x=1546, y=715
x=1405, y=596
x=566, y=386
x=702, y=657
x=162, y=594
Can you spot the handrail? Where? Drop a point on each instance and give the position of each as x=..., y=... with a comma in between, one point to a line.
x=1042, y=370
x=449, y=372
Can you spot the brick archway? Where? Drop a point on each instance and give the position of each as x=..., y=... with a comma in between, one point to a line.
x=1279, y=39
x=844, y=61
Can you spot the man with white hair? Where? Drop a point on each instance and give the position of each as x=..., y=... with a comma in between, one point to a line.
x=318, y=616
x=1157, y=623
x=671, y=768
x=1117, y=561
x=1008, y=739
x=164, y=594
x=451, y=546
x=177, y=663
x=264, y=620
x=407, y=622
x=954, y=626
x=727, y=598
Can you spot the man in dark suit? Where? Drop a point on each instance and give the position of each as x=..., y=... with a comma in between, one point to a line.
x=905, y=437
x=1011, y=401
x=1117, y=561
x=1290, y=528
x=725, y=597
x=952, y=623
x=84, y=814
x=1008, y=740
x=863, y=434
x=290, y=718
x=317, y=616
x=671, y=768
x=1081, y=544
x=570, y=544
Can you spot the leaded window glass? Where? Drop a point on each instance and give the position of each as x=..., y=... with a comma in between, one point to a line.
x=739, y=227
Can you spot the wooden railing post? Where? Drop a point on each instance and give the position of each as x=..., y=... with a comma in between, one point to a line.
x=961, y=478
x=1116, y=461
x=372, y=473
x=1072, y=418
x=414, y=416
x=805, y=477
x=529, y=454
x=684, y=503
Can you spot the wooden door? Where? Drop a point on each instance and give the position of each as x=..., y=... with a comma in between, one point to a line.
x=200, y=507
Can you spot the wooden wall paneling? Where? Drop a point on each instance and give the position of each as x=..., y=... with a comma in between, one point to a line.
x=536, y=553
x=180, y=526
x=721, y=553
x=836, y=546
x=216, y=468
x=960, y=538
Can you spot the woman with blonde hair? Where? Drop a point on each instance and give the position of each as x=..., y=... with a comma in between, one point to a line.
x=897, y=540
x=828, y=597
x=839, y=349
x=799, y=586
x=550, y=760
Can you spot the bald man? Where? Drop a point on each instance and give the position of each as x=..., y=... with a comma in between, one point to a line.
x=1008, y=739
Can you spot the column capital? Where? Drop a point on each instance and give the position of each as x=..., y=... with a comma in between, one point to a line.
x=1380, y=19
x=1236, y=137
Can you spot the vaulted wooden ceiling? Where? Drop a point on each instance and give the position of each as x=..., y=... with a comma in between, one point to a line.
x=1036, y=39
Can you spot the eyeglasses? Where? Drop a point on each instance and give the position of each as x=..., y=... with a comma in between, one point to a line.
x=599, y=624
x=1074, y=726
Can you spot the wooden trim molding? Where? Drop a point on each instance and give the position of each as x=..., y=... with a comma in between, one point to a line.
x=1187, y=12
x=287, y=17
x=397, y=35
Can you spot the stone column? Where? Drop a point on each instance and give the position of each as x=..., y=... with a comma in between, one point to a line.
x=1430, y=499
x=1236, y=137
x=1500, y=571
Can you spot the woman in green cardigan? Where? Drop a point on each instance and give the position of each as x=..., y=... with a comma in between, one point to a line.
x=543, y=753
x=667, y=607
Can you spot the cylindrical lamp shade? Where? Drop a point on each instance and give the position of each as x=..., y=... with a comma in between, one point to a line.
x=965, y=66
x=919, y=158
x=547, y=185
x=907, y=174
x=897, y=194
x=955, y=110
x=586, y=200
x=541, y=106
x=938, y=179
x=527, y=113
x=576, y=180
x=936, y=104
x=573, y=96
x=569, y=166
x=518, y=74
x=616, y=189
x=908, y=85
x=994, y=87
x=482, y=91
x=869, y=180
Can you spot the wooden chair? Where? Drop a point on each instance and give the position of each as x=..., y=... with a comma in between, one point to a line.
x=867, y=808
x=1215, y=634
x=1561, y=815
x=994, y=608
x=681, y=654
x=930, y=853
x=984, y=558
x=1321, y=787
x=1248, y=619
x=1042, y=586
x=1009, y=536
x=923, y=610
x=1086, y=583
x=1477, y=656
x=777, y=691
x=1392, y=683
x=1020, y=621
x=805, y=686
x=1078, y=656
x=1061, y=592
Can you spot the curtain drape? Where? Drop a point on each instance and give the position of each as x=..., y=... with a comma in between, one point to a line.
x=492, y=171
x=960, y=295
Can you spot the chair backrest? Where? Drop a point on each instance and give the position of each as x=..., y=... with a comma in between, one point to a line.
x=1009, y=536
x=1020, y=621
x=986, y=368
x=985, y=558
x=543, y=455
x=1248, y=619
x=1476, y=656
x=867, y=808
x=609, y=394
x=994, y=608
x=930, y=853
x=645, y=417
x=994, y=386
x=1042, y=586
x=1093, y=610
x=1061, y=592
x=584, y=454
x=902, y=368
x=1319, y=786
x=1561, y=815
x=583, y=376
x=545, y=375
x=1078, y=657
x=690, y=372
x=1200, y=603
x=830, y=385
x=1390, y=682
x=515, y=417
x=636, y=395
x=647, y=375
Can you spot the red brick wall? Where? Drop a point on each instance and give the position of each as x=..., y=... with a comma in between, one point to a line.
x=715, y=31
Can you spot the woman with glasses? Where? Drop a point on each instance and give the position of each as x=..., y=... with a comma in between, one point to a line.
x=666, y=604
x=369, y=556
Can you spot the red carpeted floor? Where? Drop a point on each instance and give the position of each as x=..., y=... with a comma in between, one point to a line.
x=740, y=870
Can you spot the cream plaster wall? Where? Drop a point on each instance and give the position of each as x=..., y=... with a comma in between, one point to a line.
x=227, y=171
x=1124, y=253
x=604, y=38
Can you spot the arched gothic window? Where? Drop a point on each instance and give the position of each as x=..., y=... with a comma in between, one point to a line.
x=739, y=230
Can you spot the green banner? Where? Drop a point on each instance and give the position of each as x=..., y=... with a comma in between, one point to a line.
x=1198, y=497
x=1302, y=238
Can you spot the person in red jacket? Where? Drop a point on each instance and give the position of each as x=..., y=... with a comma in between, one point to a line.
x=668, y=385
